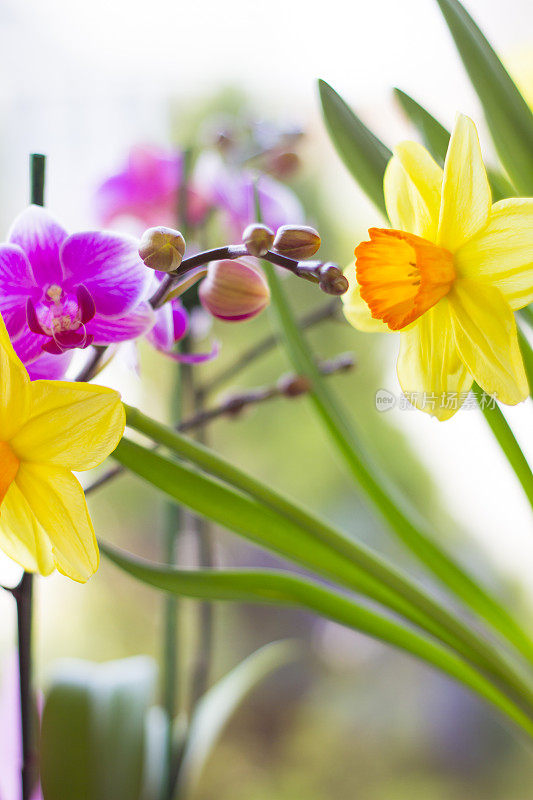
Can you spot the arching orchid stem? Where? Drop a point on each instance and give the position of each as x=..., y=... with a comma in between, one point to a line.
x=328, y=276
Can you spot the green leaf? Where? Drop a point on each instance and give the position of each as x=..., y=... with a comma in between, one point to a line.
x=364, y=155
x=436, y=137
x=93, y=729
x=345, y=560
x=508, y=116
x=282, y=588
x=218, y=705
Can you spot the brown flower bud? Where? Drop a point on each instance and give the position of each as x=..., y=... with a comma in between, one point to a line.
x=234, y=290
x=296, y=241
x=331, y=280
x=258, y=239
x=162, y=249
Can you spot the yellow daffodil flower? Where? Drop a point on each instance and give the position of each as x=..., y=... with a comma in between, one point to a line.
x=448, y=276
x=47, y=429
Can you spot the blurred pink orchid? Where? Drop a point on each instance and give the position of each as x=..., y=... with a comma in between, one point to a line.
x=147, y=189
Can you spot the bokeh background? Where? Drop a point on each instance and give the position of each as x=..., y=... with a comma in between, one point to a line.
x=85, y=82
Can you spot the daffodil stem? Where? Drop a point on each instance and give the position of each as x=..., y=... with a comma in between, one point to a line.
x=506, y=439
x=527, y=355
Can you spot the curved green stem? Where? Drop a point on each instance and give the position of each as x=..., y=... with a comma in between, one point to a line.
x=507, y=441
x=279, y=588
x=403, y=520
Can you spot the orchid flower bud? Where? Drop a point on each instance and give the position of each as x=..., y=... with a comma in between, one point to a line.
x=162, y=249
x=296, y=241
x=234, y=290
x=258, y=239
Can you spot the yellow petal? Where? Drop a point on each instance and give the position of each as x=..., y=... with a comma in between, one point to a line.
x=71, y=425
x=21, y=536
x=57, y=500
x=14, y=388
x=501, y=254
x=412, y=187
x=485, y=333
x=466, y=198
x=431, y=373
x=356, y=310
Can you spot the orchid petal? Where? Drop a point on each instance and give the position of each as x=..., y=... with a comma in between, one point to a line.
x=16, y=284
x=39, y=234
x=109, y=331
x=162, y=333
x=466, y=197
x=71, y=425
x=501, y=254
x=50, y=367
x=412, y=186
x=109, y=266
x=430, y=370
x=485, y=332
x=56, y=498
x=196, y=358
x=29, y=346
x=14, y=388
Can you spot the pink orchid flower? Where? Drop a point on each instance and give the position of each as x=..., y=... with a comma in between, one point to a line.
x=61, y=292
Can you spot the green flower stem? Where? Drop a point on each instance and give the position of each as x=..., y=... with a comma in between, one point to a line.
x=527, y=355
x=506, y=439
x=404, y=521
x=327, y=551
x=280, y=588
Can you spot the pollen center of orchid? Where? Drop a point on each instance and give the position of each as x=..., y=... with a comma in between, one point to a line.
x=401, y=276
x=54, y=293
x=9, y=465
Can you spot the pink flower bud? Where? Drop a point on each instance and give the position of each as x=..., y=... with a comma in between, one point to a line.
x=297, y=241
x=234, y=290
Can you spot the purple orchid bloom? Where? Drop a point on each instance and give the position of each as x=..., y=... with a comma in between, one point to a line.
x=171, y=326
x=147, y=189
x=61, y=292
x=10, y=734
x=232, y=191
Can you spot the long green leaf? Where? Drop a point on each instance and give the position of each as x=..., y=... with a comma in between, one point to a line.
x=279, y=588
x=364, y=155
x=509, y=117
x=218, y=705
x=381, y=581
x=436, y=138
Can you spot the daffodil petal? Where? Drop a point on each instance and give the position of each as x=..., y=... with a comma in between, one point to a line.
x=466, y=198
x=56, y=498
x=431, y=373
x=501, y=254
x=71, y=425
x=14, y=388
x=485, y=333
x=412, y=187
x=356, y=310
x=21, y=536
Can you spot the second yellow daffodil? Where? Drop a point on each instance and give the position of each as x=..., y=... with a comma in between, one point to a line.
x=448, y=276
x=48, y=429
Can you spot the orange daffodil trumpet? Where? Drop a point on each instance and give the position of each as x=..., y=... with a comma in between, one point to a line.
x=448, y=276
x=47, y=429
